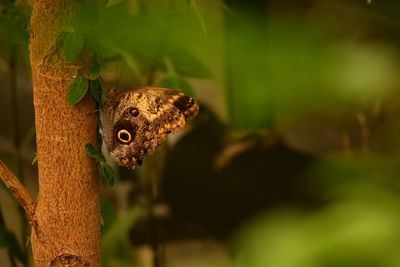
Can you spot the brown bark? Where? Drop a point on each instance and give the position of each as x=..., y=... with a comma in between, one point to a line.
x=65, y=218
x=67, y=212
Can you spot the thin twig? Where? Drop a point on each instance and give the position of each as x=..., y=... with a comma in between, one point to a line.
x=19, y=192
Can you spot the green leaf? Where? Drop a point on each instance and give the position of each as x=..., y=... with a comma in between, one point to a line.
x=34, y=160
x=109, y=173
x=94, y=153
x=93, y=44
x=9, y=242
x=77, y=90
x=73, y=45
x=75, y=72
x=97, y=91
x=94, y=71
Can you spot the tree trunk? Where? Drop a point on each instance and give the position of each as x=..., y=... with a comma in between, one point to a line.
x=67, y=231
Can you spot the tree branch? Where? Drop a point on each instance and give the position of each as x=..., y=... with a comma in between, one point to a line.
x=19, y=192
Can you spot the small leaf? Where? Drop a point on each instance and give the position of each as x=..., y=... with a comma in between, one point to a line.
x=96, y=48
x=94, y=153
x=34, y=160
x=9, y=242
x=69, y=28
x=28, y=240
x=73, y=45
x=75, y=73
x=109, y=173
x=94, y=71
x=96, y=91
x=77, y=90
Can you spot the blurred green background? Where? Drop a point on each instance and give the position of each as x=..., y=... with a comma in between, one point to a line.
x=292, y=161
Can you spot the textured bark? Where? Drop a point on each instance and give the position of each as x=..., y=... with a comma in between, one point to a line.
x=67, y=213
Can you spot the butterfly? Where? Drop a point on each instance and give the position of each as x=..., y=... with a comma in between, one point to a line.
x=136, y=121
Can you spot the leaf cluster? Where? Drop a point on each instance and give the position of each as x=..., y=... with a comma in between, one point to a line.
x=147, y=45
x=108, y=172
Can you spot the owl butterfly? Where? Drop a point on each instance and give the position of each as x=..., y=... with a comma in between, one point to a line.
x=136, y=121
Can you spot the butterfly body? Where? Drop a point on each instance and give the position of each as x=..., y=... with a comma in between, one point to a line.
x=136, y=121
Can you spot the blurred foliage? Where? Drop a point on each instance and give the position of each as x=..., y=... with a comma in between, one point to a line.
x=13, y=23
x=353, y=233
x=360, y=228
x=116, y=250
x=286, y=69
x=9, y=241
x=142, y=41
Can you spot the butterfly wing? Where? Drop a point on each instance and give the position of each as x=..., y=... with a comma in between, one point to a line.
x=184, y=103
x=148, y=115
